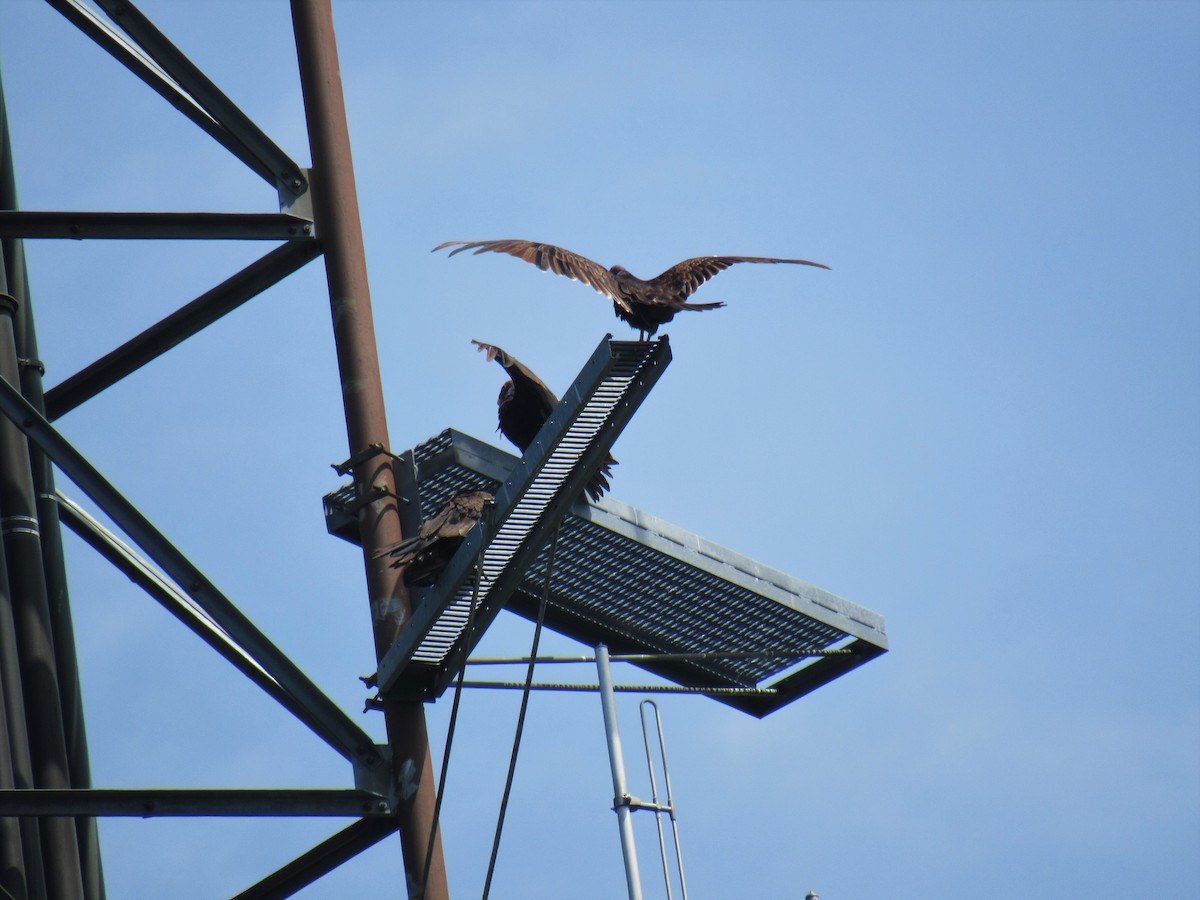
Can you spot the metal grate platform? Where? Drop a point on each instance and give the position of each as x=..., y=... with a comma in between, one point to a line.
x=643, y=585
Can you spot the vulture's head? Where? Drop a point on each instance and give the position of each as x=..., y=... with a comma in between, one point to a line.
x=507, y=391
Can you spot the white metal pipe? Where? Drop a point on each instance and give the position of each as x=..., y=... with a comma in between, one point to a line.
x=621, y=798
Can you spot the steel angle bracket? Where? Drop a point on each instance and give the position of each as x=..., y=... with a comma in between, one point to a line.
x=570, y=448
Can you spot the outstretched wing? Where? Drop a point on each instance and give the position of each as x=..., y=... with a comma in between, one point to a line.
x=548, y=258
x=684, y=278
x=523, y=378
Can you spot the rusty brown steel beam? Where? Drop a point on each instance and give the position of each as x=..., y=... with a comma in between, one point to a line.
x=335, y=206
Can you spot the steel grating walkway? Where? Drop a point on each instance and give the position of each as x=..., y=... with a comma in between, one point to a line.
x=642, y=585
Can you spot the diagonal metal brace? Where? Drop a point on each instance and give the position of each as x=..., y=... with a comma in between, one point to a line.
x=335, y=725
x=179, y=325
x=570, y=448
x=161, y=65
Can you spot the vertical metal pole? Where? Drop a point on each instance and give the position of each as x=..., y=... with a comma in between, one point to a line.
x=20, y=843
x=335, y=206
x=616, y=759
x=31, y=618
x=15, y=282
x=22, y=869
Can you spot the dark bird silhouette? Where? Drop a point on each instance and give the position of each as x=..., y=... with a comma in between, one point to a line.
x=425, y=555
x=644, y=305
x=525, y=403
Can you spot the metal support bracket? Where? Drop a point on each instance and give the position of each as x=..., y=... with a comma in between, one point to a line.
x=376, y=493
x=296, y=204
x=360, y=457
x=408, y=494
x=376, y=779
x=634, y=803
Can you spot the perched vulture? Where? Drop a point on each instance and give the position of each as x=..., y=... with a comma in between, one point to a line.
x=439, y=536
x=525, y=403
x=644, y=305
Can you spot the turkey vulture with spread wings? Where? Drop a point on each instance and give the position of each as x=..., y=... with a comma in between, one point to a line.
x=644, y=305
x=525, y=403
x=425, y=555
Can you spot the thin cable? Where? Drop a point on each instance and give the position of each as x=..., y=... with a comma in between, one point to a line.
x=462, y=669
x=512, y=763
x=629, y=688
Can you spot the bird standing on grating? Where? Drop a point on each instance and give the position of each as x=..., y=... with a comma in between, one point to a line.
x=425, y=555
x=644, y=305
x=525, y=403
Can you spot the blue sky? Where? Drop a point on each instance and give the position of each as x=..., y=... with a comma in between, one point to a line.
x=983, y=423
